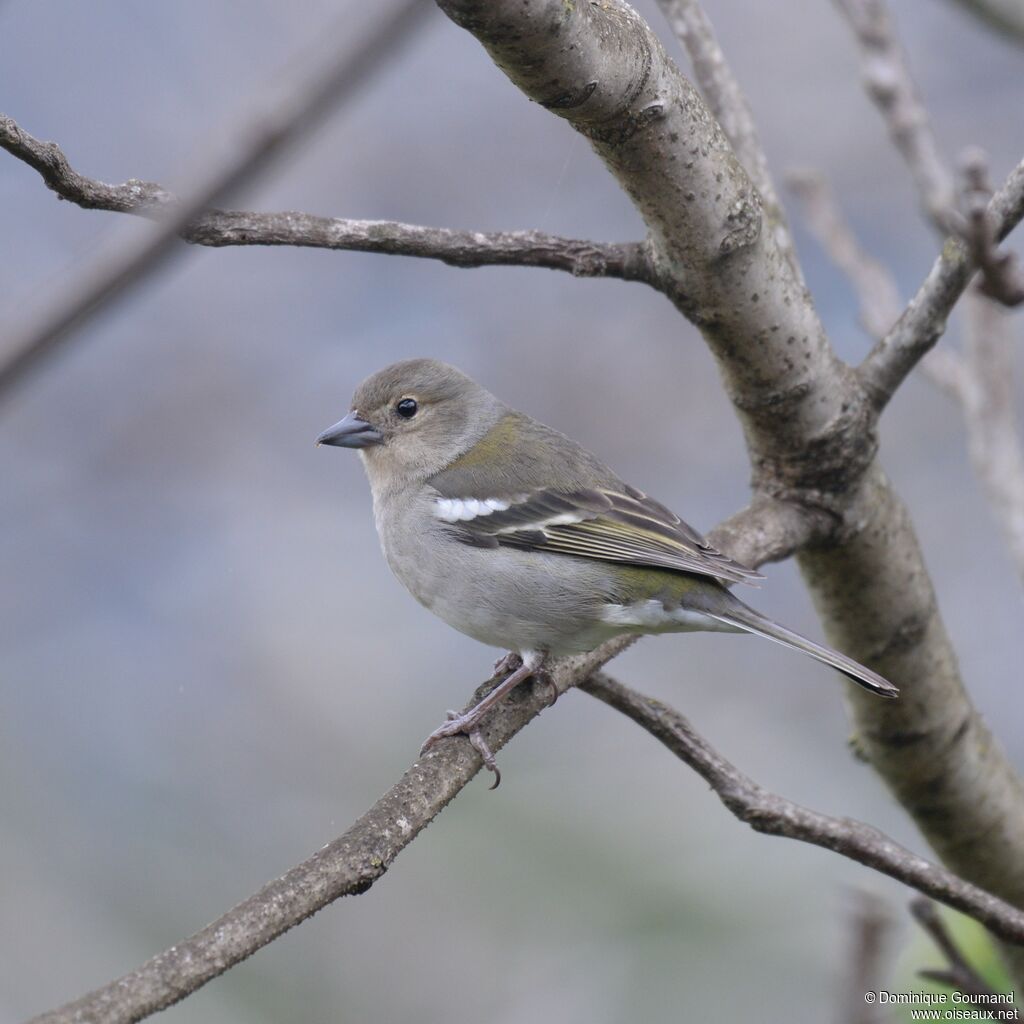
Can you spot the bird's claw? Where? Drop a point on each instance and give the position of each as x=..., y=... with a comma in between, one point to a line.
x=452, y=727
x=465, y=725
x=480, y=746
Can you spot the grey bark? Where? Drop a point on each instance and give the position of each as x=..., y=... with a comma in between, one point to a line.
x=355, y=861
x=809, y=424
x=727, y=102
x=218, y=228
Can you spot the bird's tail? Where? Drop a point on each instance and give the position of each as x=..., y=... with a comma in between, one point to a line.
x=743, y=617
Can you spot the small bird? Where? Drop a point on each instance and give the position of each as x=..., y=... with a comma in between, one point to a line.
x=522, y=539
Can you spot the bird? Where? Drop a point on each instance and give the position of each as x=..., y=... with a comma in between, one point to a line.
x=519, y=537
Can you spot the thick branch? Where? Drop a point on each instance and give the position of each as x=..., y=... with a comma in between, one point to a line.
x=769, y=530
x=775, y=815
x=238, y=227
x=727, y=102
x=808, y=424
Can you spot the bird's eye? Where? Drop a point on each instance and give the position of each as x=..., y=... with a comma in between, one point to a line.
x=407, y=408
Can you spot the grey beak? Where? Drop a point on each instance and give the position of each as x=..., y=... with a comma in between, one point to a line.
x=351, y=432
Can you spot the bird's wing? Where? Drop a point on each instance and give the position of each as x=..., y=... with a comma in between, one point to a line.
x=609, y=524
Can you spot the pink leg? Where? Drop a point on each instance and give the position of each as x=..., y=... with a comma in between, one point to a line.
x=468, y=724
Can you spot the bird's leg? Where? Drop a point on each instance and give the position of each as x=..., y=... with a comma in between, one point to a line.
x=511, y=661
x=468, y=724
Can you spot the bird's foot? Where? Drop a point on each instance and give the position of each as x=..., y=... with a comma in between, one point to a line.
x=506, y=663
x=511, y=662
x=467, y=725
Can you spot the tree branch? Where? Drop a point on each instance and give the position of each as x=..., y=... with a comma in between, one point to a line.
x=870, y=928
x=808, y=421
x=1000, y=276
x=352, y=863
x=888, y=81
x=347, y=866
x=960, y=974
x=981, y=380
x=978, y=227
x=277, y=121
x=770, y=529
x=873, y=285
x=774, y=815
x=238, y=227
x=923, y=322
x=727, y=102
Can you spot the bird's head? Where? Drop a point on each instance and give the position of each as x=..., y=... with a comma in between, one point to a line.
x=413, y=418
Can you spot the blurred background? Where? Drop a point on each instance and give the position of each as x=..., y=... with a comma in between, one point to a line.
x=208, y=671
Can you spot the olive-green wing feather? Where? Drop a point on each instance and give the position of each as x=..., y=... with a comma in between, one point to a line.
x=608, y=525
x=493, y=496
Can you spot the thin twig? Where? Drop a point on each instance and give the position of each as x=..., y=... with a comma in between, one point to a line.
x=924, y=320
x=275, y=124
x=1001, y=278
x=241, y=227
x=774, y=815
x=875, y=288
x=727, y=102
x=960, y=974
x=962, y=211
x=981, y=379
x=984, y=388
x=977, y=224
x=888, y=81
x=871, y=925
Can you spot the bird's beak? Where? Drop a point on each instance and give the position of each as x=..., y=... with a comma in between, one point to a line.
x=351, y=432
